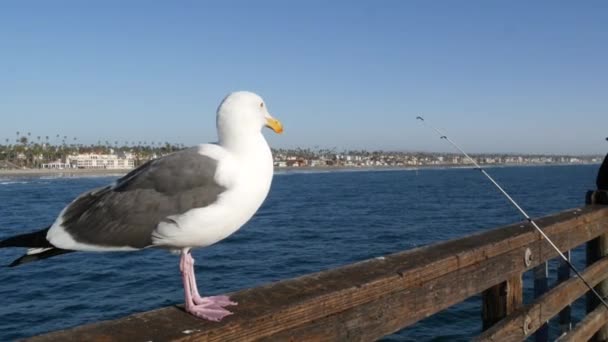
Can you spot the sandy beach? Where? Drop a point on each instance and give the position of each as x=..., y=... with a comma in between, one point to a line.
x=60, y=172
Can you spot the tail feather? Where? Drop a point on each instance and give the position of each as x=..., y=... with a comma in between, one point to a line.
x=40, y=247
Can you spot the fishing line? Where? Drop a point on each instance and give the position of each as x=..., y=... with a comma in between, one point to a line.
x=523, y=212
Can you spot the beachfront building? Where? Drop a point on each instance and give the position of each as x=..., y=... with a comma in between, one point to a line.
x=120, y=161
x=57, y=164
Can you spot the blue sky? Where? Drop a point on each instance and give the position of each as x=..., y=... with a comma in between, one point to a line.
x=513, y=76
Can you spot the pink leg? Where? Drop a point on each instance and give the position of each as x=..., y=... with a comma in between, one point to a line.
x=196, y=297
x=211, y=308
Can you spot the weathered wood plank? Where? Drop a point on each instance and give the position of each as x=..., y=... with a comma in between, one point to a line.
x=586, y=328
x=527, y=320
x=366, y=300
x=393, y=312
x=500, y=300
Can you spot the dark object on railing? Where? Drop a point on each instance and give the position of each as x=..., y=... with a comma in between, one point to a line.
x=602, y=175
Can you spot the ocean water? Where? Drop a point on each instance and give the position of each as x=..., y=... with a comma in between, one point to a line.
x=311, y=221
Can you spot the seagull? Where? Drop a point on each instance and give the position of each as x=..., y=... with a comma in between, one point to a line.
x=188, y=199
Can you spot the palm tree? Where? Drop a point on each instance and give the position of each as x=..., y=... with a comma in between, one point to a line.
x=10, y=149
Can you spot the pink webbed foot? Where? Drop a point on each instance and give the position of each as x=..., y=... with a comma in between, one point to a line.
x=211, y=308
x=221, y=301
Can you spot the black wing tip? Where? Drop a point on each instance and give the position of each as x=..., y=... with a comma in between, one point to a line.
x=20, y=261
x=27, y=258
x=24, y=259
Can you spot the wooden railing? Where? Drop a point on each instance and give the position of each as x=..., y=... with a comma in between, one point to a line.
x=374, y=298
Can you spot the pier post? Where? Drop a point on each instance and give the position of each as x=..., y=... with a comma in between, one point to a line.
x=563, y=274
x=501, y=300
x=598, y=247
x=541, y=286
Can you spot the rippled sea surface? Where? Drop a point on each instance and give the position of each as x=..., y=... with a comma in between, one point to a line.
x=310, y=222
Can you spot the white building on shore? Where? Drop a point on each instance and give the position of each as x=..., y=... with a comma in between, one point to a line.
x=58, y=164
x=102, y=161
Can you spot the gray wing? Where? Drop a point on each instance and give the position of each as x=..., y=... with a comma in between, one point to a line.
x=127, y=213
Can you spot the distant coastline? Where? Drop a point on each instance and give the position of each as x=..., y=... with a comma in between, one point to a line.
x=279, y=170
x=61, y=172
x=306, y=169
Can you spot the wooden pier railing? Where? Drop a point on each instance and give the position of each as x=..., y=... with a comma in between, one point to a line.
x=377, y=297
x=373, y=298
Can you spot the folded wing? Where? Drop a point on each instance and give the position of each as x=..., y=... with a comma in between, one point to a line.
x=125, y=214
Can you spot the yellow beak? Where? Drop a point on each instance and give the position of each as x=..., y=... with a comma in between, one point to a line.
x=275, y=125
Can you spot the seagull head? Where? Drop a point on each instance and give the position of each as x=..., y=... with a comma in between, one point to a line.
x=244, y=112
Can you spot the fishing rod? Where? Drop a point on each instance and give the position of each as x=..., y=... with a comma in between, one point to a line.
x=523, y=212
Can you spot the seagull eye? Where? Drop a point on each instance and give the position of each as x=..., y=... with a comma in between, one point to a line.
x=261, y=104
